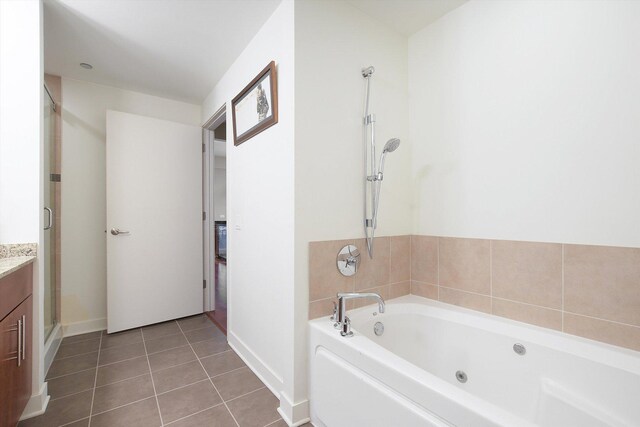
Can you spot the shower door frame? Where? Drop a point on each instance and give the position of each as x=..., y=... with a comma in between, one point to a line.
x=53, y=90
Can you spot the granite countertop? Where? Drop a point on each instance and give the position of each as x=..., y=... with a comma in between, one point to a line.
x=15, y=256
x=9, y=265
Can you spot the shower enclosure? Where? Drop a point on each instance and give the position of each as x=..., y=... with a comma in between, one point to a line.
x=51, y=230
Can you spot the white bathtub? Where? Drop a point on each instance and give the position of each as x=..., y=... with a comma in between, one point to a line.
x=407, y=376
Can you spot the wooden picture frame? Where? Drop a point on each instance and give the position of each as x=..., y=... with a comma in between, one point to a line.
x=255, y=108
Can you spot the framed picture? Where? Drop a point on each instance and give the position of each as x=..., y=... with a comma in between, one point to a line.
x=256, y=107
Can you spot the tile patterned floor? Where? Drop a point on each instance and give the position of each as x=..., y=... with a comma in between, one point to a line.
x=180, y=374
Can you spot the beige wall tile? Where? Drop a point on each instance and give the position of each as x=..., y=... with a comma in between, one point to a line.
x=602, y=330
x=321, y=308
x=465, y=299
x=527, y=281
x=373, y=272
x=424, y=259
x=464, y=264
x=325, y=281
x=603, y=282
x=527, y=272
x=399, y=289
x=400, y=259
x=534, y=315
x=425, y=290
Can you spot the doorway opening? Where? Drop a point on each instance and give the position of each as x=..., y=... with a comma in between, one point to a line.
x=215, y=224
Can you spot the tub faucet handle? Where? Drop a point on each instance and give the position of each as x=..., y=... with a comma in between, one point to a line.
x=345, y=328
x=334, y=316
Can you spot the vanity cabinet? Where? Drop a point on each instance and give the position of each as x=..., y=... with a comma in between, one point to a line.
x=16, y=307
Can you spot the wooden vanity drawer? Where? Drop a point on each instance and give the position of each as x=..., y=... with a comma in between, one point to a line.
x=14, y=289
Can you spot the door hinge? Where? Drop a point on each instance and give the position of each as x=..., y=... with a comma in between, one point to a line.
x=204, y=216
x=204, y=148
x=204, y=284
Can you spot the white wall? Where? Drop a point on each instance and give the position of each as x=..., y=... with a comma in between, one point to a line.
x=83, y=216
x=21, y=80
x=260, y=211
x=334, y=41
x=21, y=157
x=525, y=122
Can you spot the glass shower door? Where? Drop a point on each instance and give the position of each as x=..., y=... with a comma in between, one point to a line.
x=49, y=251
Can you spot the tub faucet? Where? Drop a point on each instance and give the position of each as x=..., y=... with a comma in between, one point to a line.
x=341, y=318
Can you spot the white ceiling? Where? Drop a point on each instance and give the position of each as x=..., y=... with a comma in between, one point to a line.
x=179, y=49
x=406, y=16
x=176, y=49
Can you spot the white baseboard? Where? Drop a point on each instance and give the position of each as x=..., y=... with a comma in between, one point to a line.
x=266, y=375
x=51, y=347
x=77, y=328
x=37, y=404
x=293, y=414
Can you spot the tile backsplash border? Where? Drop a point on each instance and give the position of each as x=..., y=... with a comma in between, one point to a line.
x=584, y=290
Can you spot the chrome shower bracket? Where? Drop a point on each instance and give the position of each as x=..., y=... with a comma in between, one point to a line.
x=373, y=173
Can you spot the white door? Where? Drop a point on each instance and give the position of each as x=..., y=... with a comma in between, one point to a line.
x=154, y=197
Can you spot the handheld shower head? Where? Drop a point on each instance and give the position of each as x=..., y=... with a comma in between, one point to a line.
x=391, y=146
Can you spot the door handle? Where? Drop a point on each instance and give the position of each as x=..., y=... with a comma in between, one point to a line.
x=117, y=231
x=48, y=227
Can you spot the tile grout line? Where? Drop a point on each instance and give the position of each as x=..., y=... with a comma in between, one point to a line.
x=83, y=340
x=73, y=422
x=127, y=360
x=388, y=285
x=438, y=265
x=519, y=302
x=75, y=355
x=251, y=392
x=410, y=264
x=95, y=381
x=491, y=274
x=70, y=373
x=210, y=380
x=123, y=405
x=195, y=413
x=537, y=306
x=273, y=422
x=185, y=363
x=155, y=393
x=562, y=303
x=119, y=381
x=183, y=331
x=99, y=366
x=602, y=320
x=228, y=372
x=248, y=393
x=183, y=386
x=51, y=399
